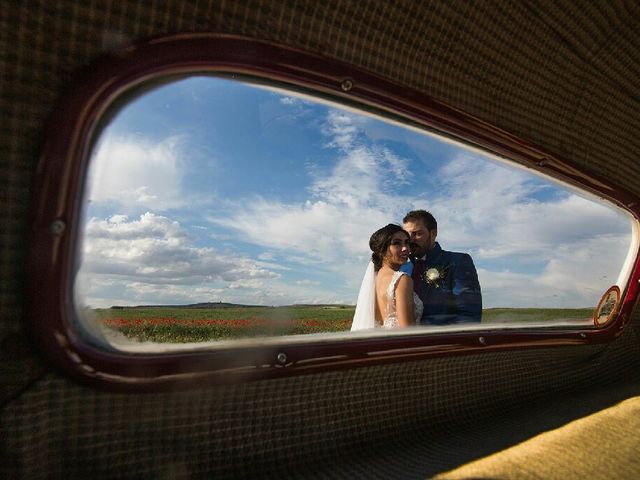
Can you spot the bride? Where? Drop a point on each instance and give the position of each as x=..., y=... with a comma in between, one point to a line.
x=386, y=297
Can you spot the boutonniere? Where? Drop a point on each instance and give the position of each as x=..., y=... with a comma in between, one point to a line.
x=435, y=275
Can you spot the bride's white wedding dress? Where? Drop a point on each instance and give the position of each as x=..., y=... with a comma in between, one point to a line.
x=365, y=314
x=391, y=319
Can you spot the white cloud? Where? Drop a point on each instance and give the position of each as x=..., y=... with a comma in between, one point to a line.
x=488, y=207
x=294, y=101
x=153, y=253
x=347, y=204
x=134, y=171
x=575, y=275
x=324, y=232
x=342, y=128
x=572, y=247
x=105, y=291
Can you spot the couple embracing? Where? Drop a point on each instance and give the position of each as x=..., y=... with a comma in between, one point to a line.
x=411, y=280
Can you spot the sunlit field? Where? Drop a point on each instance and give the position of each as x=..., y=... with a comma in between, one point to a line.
x=190, y=324
x=175, y=324
x=523, y=315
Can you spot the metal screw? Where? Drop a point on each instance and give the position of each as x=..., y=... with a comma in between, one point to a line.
x=542, y=163
x=482, y=340
x=347, y=85
x=57, y=227
x=282, y=357
x=583, y=335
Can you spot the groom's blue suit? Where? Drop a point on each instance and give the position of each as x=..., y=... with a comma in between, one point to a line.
x=453, y=296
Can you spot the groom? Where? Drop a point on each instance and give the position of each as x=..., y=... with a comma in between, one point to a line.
x=446, y=282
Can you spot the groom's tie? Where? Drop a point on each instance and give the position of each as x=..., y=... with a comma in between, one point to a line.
x=418, y=268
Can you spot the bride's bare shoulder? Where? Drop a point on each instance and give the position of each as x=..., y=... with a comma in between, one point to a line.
x=405, y=283
x=383, y=278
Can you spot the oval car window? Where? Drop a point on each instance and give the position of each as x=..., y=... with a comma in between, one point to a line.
x=218, y=209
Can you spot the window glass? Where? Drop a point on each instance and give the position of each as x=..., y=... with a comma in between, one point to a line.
x=220, y=209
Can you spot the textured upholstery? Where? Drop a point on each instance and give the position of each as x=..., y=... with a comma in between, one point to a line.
x=561, y=75
x=601, y=445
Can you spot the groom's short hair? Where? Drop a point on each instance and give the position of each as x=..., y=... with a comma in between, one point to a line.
x=422, y=215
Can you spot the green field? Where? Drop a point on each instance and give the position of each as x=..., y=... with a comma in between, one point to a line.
x=174, y=324
x=181, y=324
x=523, y=315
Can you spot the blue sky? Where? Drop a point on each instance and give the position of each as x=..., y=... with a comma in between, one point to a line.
x=207, y=189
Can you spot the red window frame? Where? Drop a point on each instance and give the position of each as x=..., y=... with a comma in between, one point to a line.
x=58, y=191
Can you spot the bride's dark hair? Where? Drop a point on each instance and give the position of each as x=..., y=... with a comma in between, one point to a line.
x=380, y=241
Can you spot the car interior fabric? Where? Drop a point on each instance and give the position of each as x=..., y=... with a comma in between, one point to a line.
x=561, y=75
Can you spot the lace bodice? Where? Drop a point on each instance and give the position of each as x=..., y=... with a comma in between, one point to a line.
x=391, y=319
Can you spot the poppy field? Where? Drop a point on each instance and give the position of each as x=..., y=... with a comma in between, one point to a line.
x=187, y=324
x=175, y=324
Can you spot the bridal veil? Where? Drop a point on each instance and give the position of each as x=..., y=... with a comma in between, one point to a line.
x=365, y=316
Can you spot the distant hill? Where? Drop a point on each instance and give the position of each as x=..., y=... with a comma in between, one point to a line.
x=235, y=305
x=322, y=305
x=193, y=305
